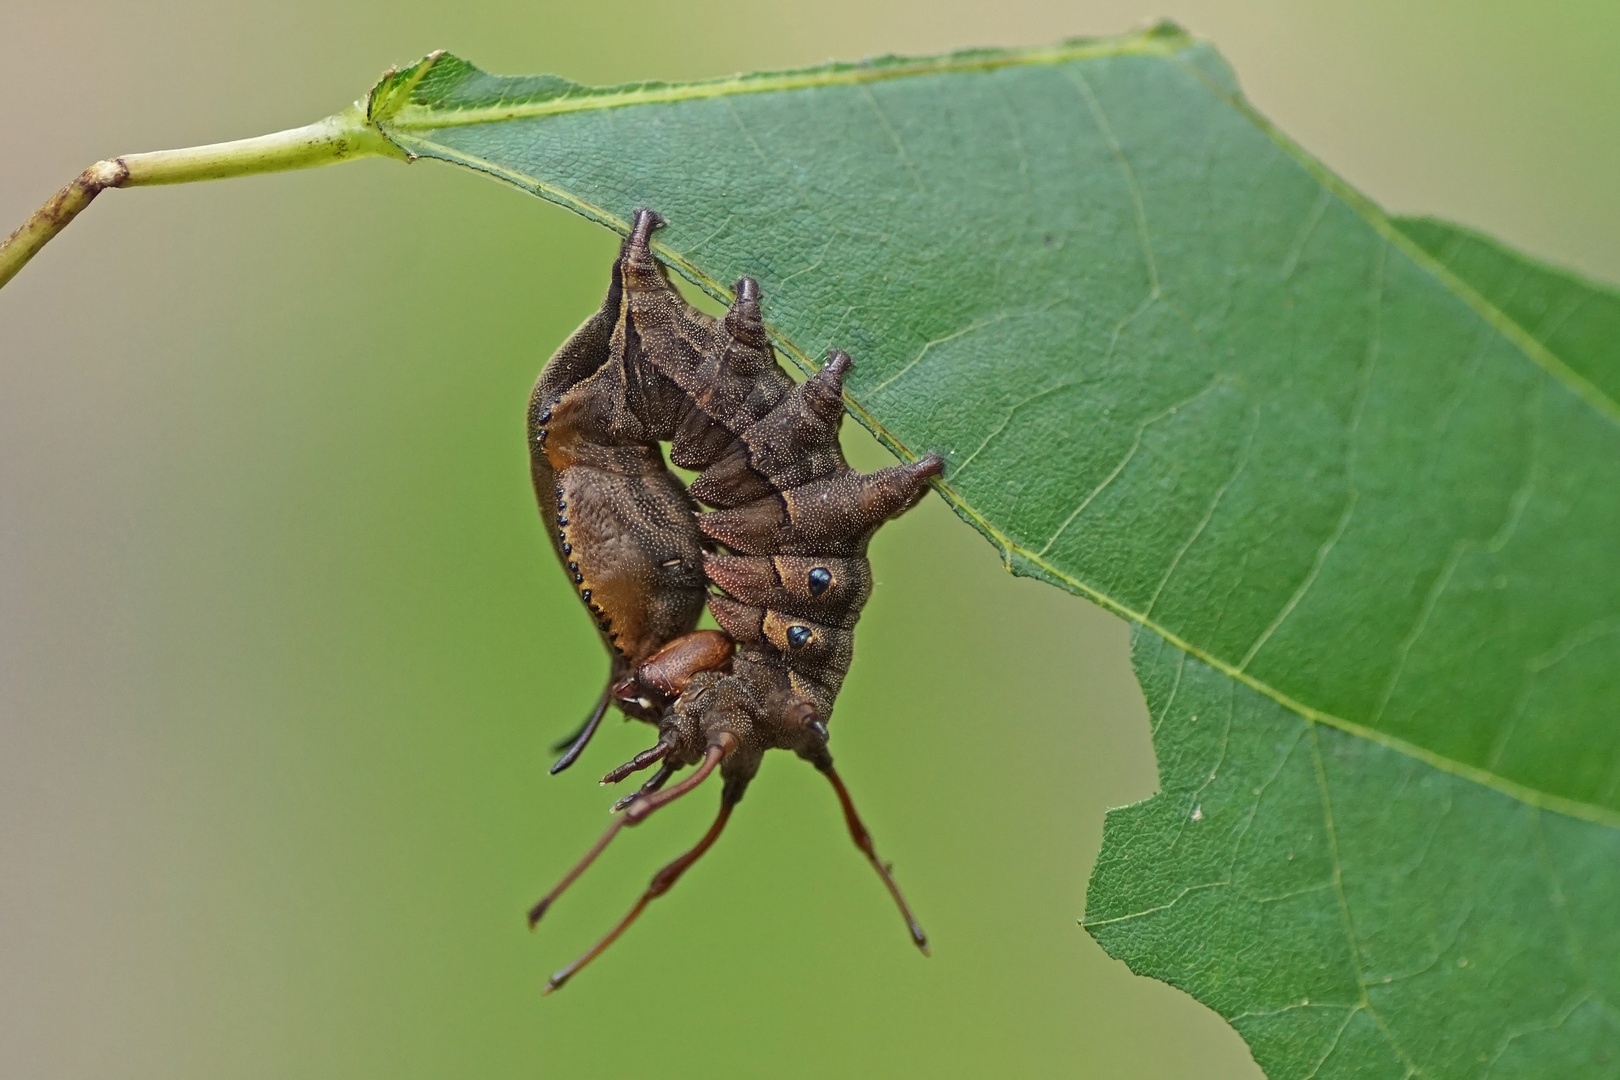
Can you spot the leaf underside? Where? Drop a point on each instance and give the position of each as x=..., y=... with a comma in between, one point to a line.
x=1354, y=479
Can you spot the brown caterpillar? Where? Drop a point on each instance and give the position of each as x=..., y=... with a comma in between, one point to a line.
x=780, y=555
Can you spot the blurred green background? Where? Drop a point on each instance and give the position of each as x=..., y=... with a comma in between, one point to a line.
x=282, y=646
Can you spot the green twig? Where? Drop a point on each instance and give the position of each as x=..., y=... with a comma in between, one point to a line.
x=347, y=135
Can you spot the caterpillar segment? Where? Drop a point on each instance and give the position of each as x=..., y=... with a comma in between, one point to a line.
x=620, y=522
x=772, y=534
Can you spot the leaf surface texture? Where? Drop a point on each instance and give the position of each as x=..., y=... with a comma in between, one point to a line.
x=1354, y=479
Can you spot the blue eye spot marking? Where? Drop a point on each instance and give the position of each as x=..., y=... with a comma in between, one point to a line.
x=820, y=579
x=799, y=636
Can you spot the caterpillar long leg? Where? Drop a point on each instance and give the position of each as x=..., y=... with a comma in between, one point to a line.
x=643, y=808
x=661, y=883
x=637, y=812
x=863, y=840
x=654, y=782
x=653, y=754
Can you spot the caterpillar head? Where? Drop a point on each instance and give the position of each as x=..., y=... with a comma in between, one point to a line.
x=701, y=696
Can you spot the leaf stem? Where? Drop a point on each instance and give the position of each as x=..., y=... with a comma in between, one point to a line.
x=347, y=135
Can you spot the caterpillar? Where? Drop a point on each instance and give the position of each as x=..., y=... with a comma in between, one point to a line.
x=771, y=536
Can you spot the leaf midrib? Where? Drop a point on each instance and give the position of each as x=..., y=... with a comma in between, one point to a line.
x=1168, y=47
x=427, y=118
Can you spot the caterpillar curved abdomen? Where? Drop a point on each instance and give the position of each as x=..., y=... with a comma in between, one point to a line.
x=772, y=533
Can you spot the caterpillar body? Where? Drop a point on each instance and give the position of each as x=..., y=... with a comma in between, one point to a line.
x=772, y=535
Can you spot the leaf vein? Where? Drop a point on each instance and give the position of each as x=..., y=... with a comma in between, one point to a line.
x=1374, y=346
x=894, y=137
x=1344, y=902
x=1461, y=550
x=1136, y=443
x=1306, y=229
x=1186, y=891
x=1101, y=119
x=1220, y=492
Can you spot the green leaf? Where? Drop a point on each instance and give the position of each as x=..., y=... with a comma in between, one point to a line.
x=1351, y=909
x=1354, y=480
